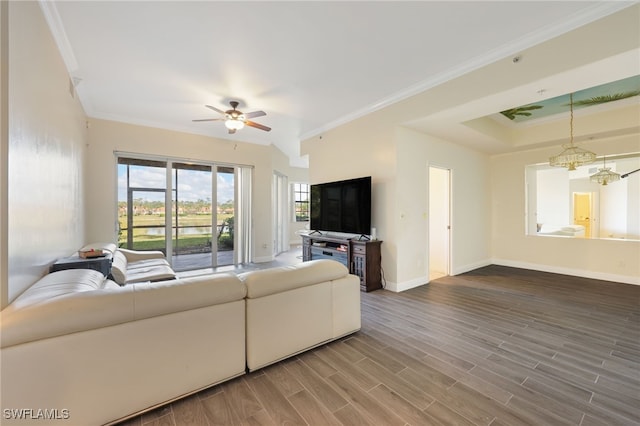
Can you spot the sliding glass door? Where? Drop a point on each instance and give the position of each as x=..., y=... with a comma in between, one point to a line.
x=205, y=208
x=225, y=215
x=141, y=205
x=192, y=216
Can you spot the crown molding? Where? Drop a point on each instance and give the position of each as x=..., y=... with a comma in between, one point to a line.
x=586, y=16
x=54, y=21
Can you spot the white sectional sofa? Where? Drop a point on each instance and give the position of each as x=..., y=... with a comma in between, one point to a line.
x=92, y=352
x=293, y=308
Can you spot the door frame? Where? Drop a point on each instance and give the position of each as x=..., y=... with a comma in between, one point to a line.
x=448, y=216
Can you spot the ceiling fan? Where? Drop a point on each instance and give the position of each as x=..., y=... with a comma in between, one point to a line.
x=236, y=120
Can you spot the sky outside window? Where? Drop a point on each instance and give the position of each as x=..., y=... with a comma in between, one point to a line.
x=191, y=186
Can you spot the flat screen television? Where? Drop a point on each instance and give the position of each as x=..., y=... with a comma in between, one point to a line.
x=342, y=206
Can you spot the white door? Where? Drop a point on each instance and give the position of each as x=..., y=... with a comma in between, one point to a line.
x=439, y=222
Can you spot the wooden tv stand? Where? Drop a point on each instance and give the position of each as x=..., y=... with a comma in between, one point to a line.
x=361, y=257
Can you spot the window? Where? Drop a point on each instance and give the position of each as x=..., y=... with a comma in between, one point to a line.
x=196, y=213
x=566, y=203
x=301, y=201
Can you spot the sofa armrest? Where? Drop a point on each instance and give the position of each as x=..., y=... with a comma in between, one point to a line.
x=136, y=255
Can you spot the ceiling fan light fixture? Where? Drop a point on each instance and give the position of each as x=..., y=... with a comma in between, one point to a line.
x=235, y=120
x=234, y=124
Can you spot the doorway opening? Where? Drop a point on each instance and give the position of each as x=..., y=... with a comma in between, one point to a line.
x=582, y=211
x=439, y=222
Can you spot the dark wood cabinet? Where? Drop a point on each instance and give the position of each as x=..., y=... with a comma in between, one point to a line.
x=361, y=257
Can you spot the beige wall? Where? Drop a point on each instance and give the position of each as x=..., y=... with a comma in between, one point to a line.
x=107, y=137
x=46, y=148
x=398, y=162
x=614, y=260
x=470, y=205
x=46, y=139
x=397, y=159
x=364, y=147
x=488, y=206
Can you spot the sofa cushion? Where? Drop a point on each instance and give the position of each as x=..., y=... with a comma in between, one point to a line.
x=137, y=255
x=152, y=299
x=150, y=273
x=146, y=263
x=134, y=266
x=276, y=280
x=119, y=268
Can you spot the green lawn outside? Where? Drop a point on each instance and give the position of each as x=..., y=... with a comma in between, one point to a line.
x=144, y=240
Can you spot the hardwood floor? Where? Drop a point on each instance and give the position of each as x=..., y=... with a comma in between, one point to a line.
x=496, y=346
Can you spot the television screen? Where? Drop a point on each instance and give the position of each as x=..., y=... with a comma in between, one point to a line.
x=342, y=206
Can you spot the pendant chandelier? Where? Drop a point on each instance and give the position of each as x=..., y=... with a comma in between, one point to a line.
x=572, y=155
x=605, y=175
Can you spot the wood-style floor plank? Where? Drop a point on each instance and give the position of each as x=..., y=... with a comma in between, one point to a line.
x=494, y=347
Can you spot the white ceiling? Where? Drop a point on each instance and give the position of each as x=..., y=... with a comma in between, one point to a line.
x=309, y=65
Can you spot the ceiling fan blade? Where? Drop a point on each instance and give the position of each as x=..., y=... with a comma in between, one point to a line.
x=232, y=131
x=209, y=119
x=219, y=111
x=255, y=114
x=257, y=126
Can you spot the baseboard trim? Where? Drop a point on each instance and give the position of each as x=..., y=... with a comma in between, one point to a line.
x=569, y=271
x=470, y=267
x=406, y=285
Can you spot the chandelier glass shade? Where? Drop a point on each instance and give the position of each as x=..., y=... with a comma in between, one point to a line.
x=572, y=155
x=604, y=175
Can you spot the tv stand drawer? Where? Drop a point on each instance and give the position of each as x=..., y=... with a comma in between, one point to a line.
x=327, y=253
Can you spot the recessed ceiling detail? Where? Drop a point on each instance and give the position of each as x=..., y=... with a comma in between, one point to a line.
x=614, y=91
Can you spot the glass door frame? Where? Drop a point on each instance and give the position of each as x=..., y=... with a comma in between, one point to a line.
x=242, y=237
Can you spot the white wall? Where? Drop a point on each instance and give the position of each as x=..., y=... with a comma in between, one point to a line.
x=615, y=260
x=613, y=210
x=553, y=199
x=46, y=147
